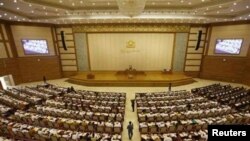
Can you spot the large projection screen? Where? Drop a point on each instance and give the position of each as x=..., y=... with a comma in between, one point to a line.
x=144, y=51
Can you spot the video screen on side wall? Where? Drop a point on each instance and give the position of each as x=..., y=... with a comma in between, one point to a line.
x=32, y=47
x=228, y=46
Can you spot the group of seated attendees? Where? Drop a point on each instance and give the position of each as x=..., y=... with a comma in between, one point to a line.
x=48, y=112
x=5, y=110
x=181, y=114
x=200, y=135
x=12, y=102
x=22, y=131
x=67, y=123
x=237, y=97
x=23, y=96
x=32, y=91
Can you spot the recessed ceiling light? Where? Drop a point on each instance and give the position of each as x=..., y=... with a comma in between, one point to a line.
x=46, y=13
x=1, y=4
x=32, y=11
x=81, y=2
x=218, y=12
x=10, y=18
x=73, y=4
x=60, y=1
x=235, y=3
x=169, y=3
x=17, y=8
x=182, y=1
x=15, y=1
x=93, y=3
x=108, y=3
x=231, y=10
x=30, y=5
x=5, y=14
x=202, y=0
x=153, y=3
x=247, y=6
x=56, y=9
x=0, y=16
x=220, y=6
x=189, y=3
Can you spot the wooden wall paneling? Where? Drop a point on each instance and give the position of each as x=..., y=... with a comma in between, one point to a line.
x=67, y=55
x=10, y=66
x=4, y=40
x=223, y=68
x=48, y=66
x=193, y=68
x=11, y=40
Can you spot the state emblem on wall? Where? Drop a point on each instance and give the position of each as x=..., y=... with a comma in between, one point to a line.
x=130, y=44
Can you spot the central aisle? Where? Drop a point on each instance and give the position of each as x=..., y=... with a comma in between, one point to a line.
x=130, y=116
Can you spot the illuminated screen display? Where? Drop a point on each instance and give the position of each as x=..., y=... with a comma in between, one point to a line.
x=228, y=46
x=35, y=47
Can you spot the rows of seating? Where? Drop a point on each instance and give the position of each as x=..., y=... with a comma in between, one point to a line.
x=237, y=97
x=200, y=135
x=49, y=108
x=164, y=114
x=26, y=132
x=12, y=102
x=66, y=123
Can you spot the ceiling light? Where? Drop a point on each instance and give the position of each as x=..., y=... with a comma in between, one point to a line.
x=108, y=3
x=81, y=2
x=1, y=4
x=231, y=10
x=235, y=3
x=17, y=8
x=190, y=3
x=30, y=5
x=15, y=1
x=5, y=14
x=220, y=6
x=247, y=6
x=73, y=4
x=218, y=12
x=60, y=1
x=46, y=13
x=93, y=3
x=44, y=7
x=202, y=0
x=32, y=11
x=0, y=16
x=169, y=3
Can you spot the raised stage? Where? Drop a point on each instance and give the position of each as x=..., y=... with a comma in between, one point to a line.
x=112, y=78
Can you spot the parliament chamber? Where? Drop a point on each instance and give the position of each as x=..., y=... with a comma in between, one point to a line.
x=120, y=70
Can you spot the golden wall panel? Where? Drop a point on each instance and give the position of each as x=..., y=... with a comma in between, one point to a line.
x=131, y=28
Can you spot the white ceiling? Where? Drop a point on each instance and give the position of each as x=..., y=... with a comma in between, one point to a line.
x=107, y=11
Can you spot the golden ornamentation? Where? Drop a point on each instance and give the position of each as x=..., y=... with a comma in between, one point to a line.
x=131, y=28
x=130, y=44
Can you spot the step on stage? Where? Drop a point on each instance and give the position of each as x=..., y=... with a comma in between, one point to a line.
x=135, y=79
